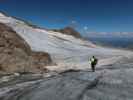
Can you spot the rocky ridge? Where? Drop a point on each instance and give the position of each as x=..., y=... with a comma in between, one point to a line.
x=17, y=56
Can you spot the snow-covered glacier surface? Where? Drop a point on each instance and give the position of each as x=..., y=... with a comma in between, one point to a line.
x=113, y=79
x=62, y=48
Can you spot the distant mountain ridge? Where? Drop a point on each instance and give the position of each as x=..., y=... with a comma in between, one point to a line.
x=109, y=34
x=114, y=42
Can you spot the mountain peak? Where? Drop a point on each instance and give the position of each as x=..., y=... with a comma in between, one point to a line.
x=69, y=31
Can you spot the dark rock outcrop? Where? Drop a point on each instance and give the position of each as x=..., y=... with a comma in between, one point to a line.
x=69, y=31
x=17, y=56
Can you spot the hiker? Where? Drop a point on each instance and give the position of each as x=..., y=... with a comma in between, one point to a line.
x=93, y=61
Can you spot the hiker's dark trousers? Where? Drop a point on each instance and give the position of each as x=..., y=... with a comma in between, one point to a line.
x=93, y=67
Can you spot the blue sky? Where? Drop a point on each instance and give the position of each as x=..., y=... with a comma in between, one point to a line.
x=85, y=15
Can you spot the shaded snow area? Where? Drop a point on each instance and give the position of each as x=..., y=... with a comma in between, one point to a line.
x=71, y=78
x=74, y=85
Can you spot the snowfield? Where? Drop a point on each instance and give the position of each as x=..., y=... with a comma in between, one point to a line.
x=63, y=48
x=113, y=79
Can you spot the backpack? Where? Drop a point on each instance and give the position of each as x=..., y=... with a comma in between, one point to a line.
x=93, y=61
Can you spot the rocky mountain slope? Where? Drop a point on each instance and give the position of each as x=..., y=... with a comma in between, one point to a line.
x=16, y=54
x=71, y=78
